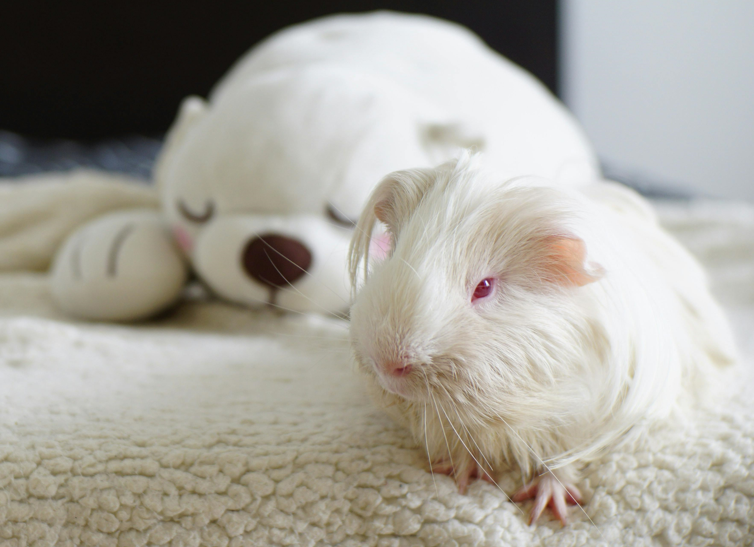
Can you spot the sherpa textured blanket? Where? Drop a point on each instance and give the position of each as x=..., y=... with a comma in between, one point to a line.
x=219, y=426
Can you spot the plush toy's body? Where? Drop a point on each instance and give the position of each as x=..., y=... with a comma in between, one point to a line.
x=260, y=185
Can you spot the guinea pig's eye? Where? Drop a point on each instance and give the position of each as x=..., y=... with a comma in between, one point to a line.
x=483, y=289
x=338, y=217
x=199, y=218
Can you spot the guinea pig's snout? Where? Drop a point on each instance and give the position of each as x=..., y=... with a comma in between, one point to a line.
x=397, y=369
x=276, y=261
x=397, y=378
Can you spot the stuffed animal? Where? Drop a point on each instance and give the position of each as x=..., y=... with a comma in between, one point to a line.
x=261, y=185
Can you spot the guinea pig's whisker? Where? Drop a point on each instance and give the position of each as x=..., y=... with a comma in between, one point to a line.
x=442, y=426
x=479, y=465
x=341, y=213
x=332, y=344
x=425, y=234
x=412, y=269
x=290, y=310
x=317, y=344
x=299, y=267
x=311, y=337
x=426, y=439
x=463, y=424
x=447, y=444
x=278, y=306
x=335, y=315
x=329, y=351
x=466, y=429
x=429, y=458
x=325, y=348
x=489, y=465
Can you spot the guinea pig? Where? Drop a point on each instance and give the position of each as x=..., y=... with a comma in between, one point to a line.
x=519, y=322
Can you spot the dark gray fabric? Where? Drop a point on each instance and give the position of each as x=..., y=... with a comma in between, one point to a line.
x=135, y=156
x=131, y=155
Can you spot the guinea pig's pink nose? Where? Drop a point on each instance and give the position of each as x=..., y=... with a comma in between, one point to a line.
x=275, y=260
x=396, y=368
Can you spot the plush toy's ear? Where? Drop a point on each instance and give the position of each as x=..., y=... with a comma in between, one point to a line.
x=192, y=109
x=391, y=202
x=441, y=140
x=563, y=262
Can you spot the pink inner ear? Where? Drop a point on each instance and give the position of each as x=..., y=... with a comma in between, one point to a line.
x=379, y=246
x=564, y=262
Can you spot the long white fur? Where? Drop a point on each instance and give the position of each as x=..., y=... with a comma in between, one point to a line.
x=543, y=375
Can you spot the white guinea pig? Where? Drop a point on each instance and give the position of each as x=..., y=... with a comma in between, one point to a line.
x=516, y=322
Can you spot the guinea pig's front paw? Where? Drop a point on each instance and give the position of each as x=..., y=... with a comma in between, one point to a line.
x=549, y=490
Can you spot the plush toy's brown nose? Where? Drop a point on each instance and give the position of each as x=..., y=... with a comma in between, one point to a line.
x=276, y=261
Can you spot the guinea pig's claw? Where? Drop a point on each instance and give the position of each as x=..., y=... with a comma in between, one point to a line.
x=463, y=478
x=548, y=490
x=463, y=484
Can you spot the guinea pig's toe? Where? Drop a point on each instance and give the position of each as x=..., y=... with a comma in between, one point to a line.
x=442, y=468
x=469, y=473
x=549, y=491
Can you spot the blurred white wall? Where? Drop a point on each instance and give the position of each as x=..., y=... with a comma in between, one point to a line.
x=665, y=88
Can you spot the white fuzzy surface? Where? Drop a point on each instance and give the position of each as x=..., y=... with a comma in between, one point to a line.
x=220, y=426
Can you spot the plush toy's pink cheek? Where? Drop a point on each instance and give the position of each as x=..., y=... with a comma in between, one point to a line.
x=183, y=238
x=379, y=247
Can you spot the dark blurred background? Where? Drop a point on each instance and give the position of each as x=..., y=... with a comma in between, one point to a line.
x=89, y=70
x=663, y=88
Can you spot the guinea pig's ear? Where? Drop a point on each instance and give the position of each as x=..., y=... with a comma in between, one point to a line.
x=192, y=110
x=391, y=202
x=562, y=261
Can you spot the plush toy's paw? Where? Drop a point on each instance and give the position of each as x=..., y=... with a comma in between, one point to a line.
x=120, y=267
x=37, y=215
x=549, y=490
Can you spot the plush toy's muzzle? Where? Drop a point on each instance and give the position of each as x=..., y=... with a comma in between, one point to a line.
x=293, y=262
x=275, y=260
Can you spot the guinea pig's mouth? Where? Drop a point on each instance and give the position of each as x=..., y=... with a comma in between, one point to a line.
x=407, y=386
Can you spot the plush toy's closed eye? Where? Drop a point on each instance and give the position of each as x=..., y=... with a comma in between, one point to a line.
x=338, y=217
x=200, y=217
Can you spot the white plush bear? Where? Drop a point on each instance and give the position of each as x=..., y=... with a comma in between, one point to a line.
x=262, y=184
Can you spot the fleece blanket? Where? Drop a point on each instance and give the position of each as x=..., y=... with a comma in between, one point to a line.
x=215, y=425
